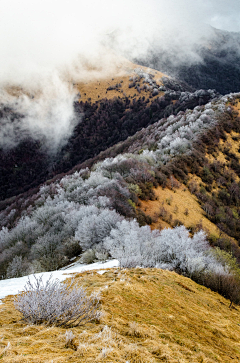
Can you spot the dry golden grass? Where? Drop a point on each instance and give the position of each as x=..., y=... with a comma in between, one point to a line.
x=177, y=202
x=150, y=315
x=97, y=89
x=17, y=91
x=230, y=143
x=234, y=144
x=219, y=157
x=236, y=107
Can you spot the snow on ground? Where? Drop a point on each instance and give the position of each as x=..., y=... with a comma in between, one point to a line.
x=13, y=286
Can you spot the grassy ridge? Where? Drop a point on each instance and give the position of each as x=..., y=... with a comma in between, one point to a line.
x=149, y=315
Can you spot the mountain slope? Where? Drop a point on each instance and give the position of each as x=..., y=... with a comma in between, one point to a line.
x=149, y=315
x=209, y=168
x=178, y=150
x=214, y=184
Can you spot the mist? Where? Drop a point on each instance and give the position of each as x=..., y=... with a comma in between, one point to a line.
x=45, y=46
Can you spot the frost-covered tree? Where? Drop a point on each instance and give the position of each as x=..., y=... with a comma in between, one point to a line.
x=131, y=244
x=95, y=227
x=171, y=249
x=18, y=267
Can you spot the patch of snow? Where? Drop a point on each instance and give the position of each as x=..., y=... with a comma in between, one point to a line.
x=101, y=272
x=16, y=285
x=73, y=258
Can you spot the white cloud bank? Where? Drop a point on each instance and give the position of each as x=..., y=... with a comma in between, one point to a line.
x=43, y=44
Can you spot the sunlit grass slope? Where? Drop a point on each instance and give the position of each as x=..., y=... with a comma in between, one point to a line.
x=97, y=89
x=149, y=315
x=178, y=204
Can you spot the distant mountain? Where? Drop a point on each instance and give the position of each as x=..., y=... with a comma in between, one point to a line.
x=218, y=69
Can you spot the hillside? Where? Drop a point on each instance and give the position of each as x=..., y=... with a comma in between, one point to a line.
x=206, y=174
x=206, y=187
x=180, y=170
x=117, y=84
x=149, y=315
x=202, y=186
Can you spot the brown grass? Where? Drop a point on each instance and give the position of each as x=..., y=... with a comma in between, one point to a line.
x=180, y=200
x=232, y=145
x=219, y=157
x=150, y=315
x=236, y=107
x=97, y=89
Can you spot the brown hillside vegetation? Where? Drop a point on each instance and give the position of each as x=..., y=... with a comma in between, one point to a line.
x=149, y=315
x=97, y=89
x=231, y=145
x=174, y=207
x=209, y=189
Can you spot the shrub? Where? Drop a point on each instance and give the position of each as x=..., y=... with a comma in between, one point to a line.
x=142, y=218
x=55, y=303
x=94, y=228
x=228, y=285
x=169, y=200
x=17, y=268
x=88, y=256
x=226, y=282
x=177, y=223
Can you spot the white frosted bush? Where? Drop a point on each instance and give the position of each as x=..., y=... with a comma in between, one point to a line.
x=128, y=243
x=171, y=249
x=94, y=228
x=16, y=268
x=55, y=303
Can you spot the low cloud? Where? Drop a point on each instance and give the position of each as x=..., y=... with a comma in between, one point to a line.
x=45, y=113
x=47, y=45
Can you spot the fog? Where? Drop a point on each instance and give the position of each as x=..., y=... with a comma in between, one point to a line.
x=46, y=45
